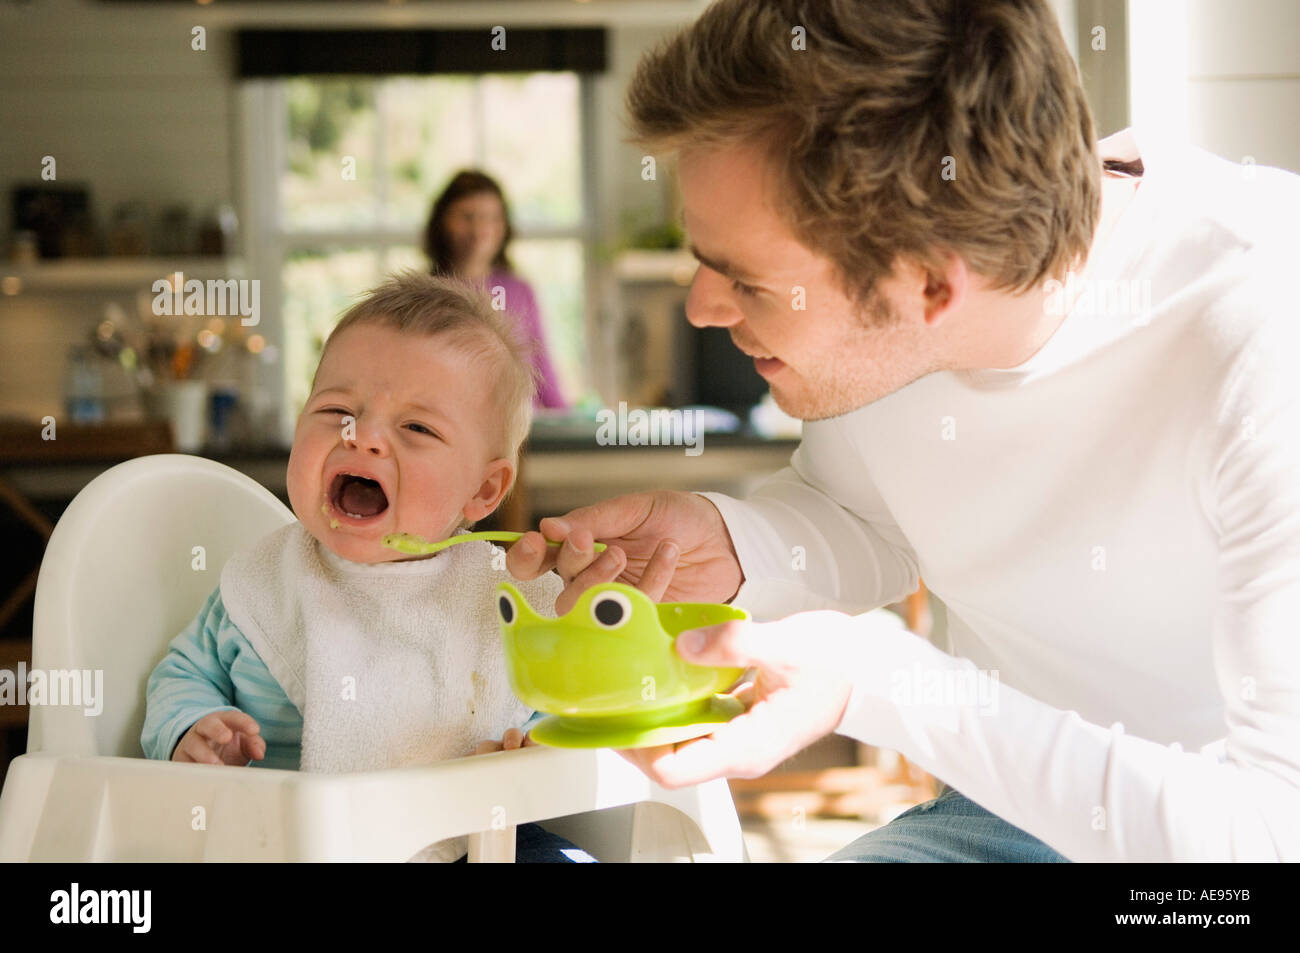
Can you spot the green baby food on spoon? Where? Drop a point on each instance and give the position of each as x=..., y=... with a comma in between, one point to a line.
x=418, y=545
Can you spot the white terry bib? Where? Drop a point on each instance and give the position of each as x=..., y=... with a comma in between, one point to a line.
x=392, y=665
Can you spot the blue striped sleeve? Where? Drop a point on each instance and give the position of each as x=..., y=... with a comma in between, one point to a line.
x=186, y=685
x=209, y=667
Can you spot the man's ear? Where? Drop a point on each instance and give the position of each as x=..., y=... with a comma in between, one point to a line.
x=945, y=290
x=497, y=478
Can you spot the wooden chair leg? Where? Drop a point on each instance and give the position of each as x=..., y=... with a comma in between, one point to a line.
x=24, y=591
x=34, y=518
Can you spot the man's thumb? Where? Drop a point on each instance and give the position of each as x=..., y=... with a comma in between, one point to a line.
x=611, y=518
x=720, y=645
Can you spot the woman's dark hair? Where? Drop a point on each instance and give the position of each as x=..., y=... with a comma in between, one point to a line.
x=436, y=245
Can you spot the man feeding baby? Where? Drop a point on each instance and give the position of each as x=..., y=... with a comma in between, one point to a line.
x=322, y=650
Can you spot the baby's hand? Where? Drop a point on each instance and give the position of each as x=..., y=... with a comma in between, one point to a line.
x=514, y=738
x=222, y=737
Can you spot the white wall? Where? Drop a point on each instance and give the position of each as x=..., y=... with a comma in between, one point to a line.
x=1244, y=79
x=1223, y=73
x=120, y=101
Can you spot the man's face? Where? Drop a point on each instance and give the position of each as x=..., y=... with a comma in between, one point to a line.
x=423, y=421
x=823, y=360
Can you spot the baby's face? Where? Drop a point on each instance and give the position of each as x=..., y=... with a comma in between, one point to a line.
x=422, y=421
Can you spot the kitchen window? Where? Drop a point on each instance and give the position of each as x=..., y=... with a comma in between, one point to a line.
x=343, y=170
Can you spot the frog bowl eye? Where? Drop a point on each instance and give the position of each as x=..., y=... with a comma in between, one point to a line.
x=611, y=610
x=506, y=606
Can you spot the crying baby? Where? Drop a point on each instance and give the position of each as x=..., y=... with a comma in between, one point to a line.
x=323, y=650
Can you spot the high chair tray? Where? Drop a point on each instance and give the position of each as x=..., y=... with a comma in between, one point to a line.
x=74, y=809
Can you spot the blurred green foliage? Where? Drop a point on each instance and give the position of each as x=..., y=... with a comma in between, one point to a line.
x=319, y=113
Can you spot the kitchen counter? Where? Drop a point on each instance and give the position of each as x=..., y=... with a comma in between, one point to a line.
x=560, y=471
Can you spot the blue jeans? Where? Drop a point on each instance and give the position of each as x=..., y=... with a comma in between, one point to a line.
x=535, y=845
x=949, y=829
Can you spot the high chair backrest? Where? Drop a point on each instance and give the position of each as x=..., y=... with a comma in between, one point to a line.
x=129, y=564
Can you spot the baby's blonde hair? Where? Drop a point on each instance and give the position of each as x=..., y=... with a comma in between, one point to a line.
x=416, y=303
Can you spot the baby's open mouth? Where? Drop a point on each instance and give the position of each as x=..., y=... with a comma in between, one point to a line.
x=357, y=496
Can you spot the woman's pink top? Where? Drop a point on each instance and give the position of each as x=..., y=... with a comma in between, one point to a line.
x=521, y=303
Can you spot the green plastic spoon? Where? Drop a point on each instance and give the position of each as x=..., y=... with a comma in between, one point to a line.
x=418, y=545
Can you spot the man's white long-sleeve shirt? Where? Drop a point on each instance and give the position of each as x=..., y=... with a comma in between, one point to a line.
x=1114, y=527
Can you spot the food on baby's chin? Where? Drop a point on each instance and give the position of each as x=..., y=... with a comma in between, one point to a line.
x=405, y=542
x=406, y=538
x=325, y=508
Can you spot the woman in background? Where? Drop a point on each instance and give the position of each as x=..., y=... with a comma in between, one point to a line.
x=467, y=235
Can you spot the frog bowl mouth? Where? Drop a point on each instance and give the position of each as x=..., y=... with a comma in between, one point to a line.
x=665, y=725
x=697, y=709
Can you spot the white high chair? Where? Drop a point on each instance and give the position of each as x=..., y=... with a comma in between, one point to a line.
x=128, y=566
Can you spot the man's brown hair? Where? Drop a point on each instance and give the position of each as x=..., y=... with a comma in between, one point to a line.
x=862, y=125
